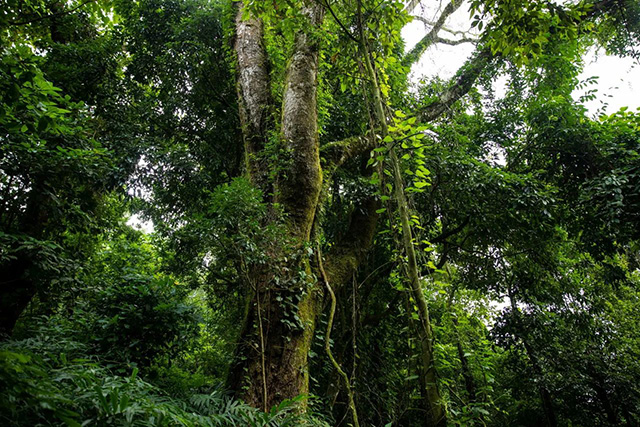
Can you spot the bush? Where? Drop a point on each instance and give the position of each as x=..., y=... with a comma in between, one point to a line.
x=143, y=317
x=43, y=385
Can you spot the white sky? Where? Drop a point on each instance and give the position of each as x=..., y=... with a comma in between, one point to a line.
x=618, y=83
x=619, y=78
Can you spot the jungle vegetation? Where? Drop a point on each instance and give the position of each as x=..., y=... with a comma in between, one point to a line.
x=334, y=240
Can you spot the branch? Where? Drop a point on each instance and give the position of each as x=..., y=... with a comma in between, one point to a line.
x=411, y=5
x=468, y=74
x=335, y=18
x=414, y=54
x=455, y=42
x=335, y=154
x=462, y=83
x=449, y=233
x=431, y=24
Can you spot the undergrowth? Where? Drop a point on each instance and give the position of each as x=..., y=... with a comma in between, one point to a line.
x=50, y=380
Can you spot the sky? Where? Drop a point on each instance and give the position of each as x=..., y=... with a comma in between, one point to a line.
x=618, y=78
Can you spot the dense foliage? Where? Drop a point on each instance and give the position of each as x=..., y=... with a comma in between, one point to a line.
x=330, y=239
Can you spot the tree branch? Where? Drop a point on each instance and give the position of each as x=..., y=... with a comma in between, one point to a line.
x=414, y=54
x=431, y=24
x=455, y=42
x=449, y=233
x=335, y=154
x=467, y=75
x=411, y=5
x=335, y=18
x=460, y=86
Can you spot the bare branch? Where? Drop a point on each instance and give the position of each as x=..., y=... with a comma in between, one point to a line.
x=414, y=54
x=460, y=86
x=411, y=5
x=431, y=24
x=455, y=42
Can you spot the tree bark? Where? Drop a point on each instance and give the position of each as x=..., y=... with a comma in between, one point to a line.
x=254, y=95
x=271, y=358
x=298, y=187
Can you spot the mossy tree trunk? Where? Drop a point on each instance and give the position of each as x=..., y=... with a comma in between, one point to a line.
x=271, y=358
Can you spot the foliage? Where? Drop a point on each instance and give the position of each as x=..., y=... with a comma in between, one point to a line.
x=522, y=206
x=50, y=379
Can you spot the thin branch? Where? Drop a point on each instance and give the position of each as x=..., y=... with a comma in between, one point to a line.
x=347, y=32
x=451, y=232
x=455, y=42
x=432, y=23
x=411, y=5
x=414, y=54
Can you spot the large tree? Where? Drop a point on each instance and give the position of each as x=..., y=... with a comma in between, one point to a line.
x=278, y=106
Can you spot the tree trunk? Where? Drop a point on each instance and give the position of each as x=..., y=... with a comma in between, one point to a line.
x=551, y=419
x=254, y=97
x=271, y=358
x=16, y=291
x=298, y=188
